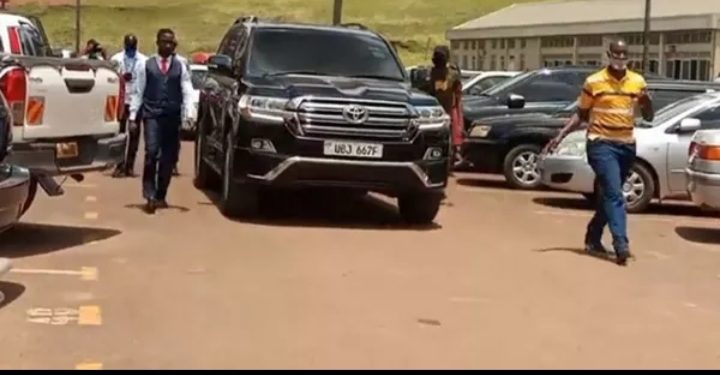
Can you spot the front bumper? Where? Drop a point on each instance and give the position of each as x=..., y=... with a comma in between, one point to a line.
x=704, y=188
x=14, y=187
x=300, y=161
x=568, y=173
x=486, y=155
x=95, y=154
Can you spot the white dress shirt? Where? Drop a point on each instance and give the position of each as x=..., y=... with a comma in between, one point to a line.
x=127, y=64
x=140, y=80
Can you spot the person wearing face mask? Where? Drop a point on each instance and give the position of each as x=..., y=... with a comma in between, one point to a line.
x=126, y=61
x=607, y=104
x=445, y=85
x=162, y=93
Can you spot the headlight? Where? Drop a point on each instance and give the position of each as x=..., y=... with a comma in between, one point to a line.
x=431, y=118
x=263, y=108
x=573, y=145
x=480, y=131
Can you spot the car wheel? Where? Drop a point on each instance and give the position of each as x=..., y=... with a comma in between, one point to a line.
x=639, y=189
x=205, y=177
x=521, y=167
x=237, y=200
x=419, y=208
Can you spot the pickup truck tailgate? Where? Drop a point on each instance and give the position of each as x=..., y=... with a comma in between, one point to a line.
x=68, y=98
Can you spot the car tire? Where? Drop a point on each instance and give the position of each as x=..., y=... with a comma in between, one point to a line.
x=640, y=174
x=237, y=200
x=523, y=160
x=419, y=208
x=642, y=185
x=205, y=177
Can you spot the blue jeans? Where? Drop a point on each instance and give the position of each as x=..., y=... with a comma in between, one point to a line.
x=162, y=145
x=611, y=163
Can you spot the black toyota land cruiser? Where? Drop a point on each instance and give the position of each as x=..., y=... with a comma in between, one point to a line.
x=292, y=106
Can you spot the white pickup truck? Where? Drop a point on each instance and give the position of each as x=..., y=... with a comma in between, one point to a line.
x=65, y=111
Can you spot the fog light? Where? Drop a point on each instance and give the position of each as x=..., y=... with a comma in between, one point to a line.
x=262, y=145
x=433, y=153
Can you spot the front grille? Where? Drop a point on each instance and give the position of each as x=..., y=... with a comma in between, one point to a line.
x=323, y=118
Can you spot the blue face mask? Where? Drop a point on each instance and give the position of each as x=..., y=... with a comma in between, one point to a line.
x=130, y=52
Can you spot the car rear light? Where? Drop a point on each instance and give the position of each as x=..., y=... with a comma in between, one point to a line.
x=35, y=110
x=15, y=43
x=111, y=108
x=14, y=86
x=708, y=152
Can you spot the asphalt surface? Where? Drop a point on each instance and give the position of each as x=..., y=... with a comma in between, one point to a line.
x=338, y=282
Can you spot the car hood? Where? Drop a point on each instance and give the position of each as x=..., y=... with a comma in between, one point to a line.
x=292, y=86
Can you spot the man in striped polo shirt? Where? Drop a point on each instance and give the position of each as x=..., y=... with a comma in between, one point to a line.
x=607, y=104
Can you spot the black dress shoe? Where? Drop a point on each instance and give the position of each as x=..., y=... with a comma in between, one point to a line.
x=597, y=249
x=150, y=207
x=622, y=258
x=162, y=204
x=119, y=173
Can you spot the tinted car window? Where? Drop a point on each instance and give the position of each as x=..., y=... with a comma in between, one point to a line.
x=542, y=86
x=710, y=118
x=548, y=90
x=197, y=78
x=662, y=98
x=231, y=42
x=278, y=51
x=32, y=41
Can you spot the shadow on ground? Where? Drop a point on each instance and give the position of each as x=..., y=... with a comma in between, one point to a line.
x=9, y=292
x=675, y=208
x=27, y=240
x=489, y=182
x=141, y=207
x=609, y=257
x=330, y=210
x=708, y=236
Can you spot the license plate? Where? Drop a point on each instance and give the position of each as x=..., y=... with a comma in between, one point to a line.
x=67, y=150
x=355, y=149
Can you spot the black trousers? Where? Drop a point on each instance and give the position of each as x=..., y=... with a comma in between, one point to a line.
x=128, y=165
x=162, y=142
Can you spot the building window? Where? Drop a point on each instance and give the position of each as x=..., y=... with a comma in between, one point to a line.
x=481, y=44
x=494, y=44
x=522, y=62
x=481, y=64
x=455, y=44
x=465, y=45
x=474, y=63
x=511, y=43
x=523, y=43
x=502, y=62
x=689, y=37
x=465, y=62
x=493, y=62
x=502, y=43
x=590, y=41
x=557, y=42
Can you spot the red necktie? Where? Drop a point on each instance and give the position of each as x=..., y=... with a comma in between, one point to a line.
x=164, y=66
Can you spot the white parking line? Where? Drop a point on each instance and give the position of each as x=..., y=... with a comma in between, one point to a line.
x=85, y=273
x=90, y=199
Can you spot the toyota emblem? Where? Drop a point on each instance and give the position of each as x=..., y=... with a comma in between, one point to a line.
x=355, y=114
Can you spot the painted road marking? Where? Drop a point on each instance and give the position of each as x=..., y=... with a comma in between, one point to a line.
x=90, y=198
x=89, y=366
x=81, y=186
x=91, y=215
x=85, y=273
x=60, y=316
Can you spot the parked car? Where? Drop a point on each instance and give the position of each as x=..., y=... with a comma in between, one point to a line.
x=14, y=181
x=545, y=90
x=511, y=144
x=483, y=81
x=662, y=154
x=703, y=172
x=288, y=119
x=65, y=111
x=198, y=73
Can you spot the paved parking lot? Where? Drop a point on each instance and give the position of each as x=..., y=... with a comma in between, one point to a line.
x=500, y=281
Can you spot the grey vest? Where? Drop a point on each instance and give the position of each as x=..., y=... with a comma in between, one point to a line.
x=163, y=96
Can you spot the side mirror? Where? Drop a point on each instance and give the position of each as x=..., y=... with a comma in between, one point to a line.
x=515, y=101
x=220, y=64
x=689, y=125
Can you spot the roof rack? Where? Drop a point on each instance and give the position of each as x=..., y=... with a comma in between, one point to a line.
x=246, y=19
x=358, y=26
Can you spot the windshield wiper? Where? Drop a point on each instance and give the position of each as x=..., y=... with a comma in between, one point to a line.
x=375, y=76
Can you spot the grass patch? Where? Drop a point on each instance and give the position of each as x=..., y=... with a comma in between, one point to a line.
x=415, y=25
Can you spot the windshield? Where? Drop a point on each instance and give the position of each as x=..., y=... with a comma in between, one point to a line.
x=280, y=51
x=198, y=77
x=674, y=109
x=512, y=82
